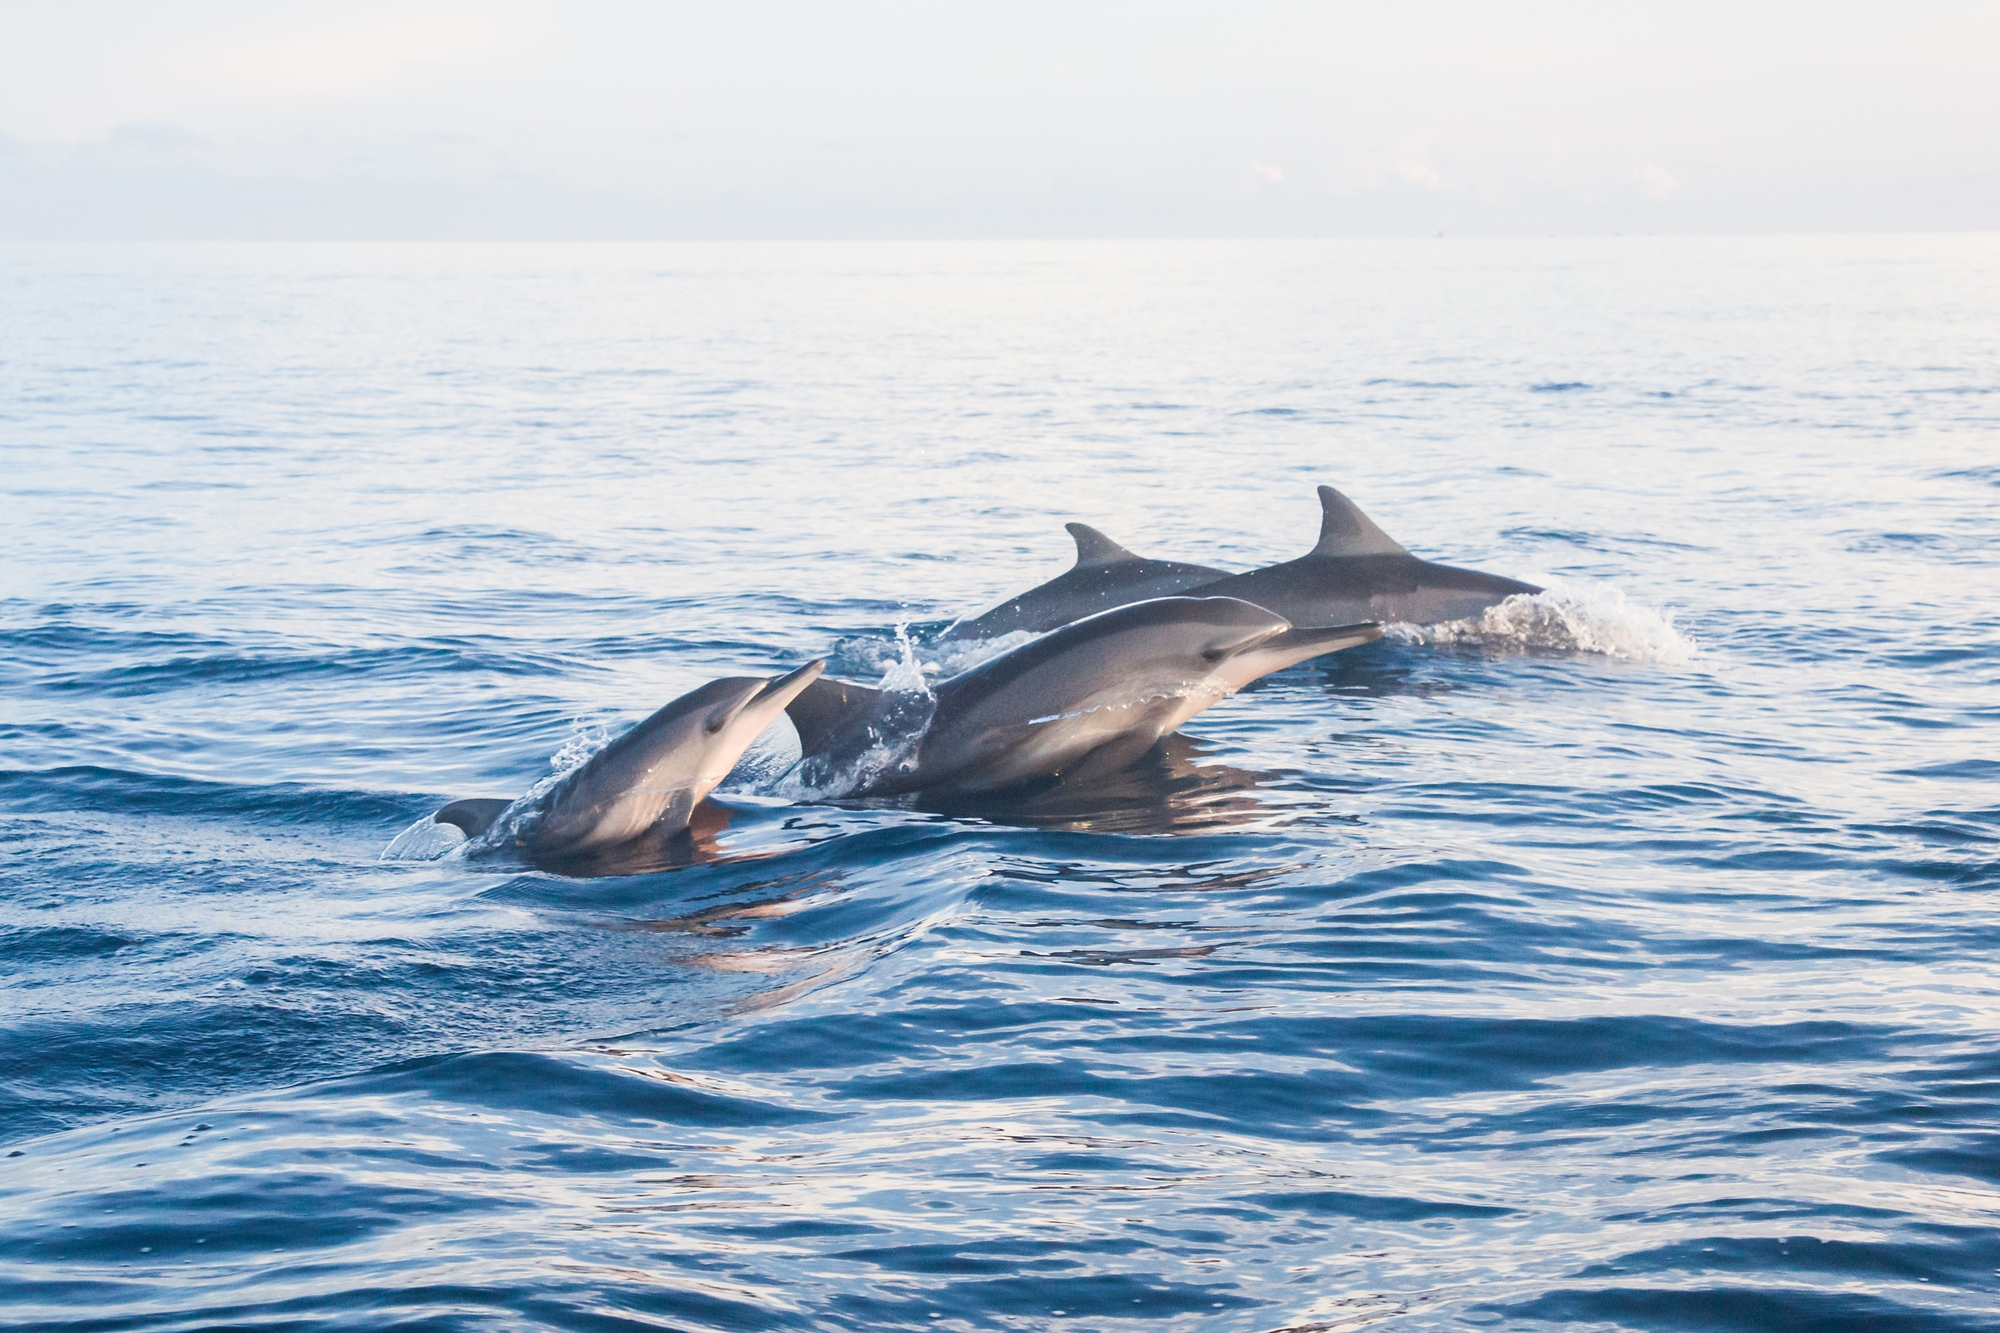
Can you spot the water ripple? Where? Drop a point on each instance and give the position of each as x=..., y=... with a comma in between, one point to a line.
x=1623, y=958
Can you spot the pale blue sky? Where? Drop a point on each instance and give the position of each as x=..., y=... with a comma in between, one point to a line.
x=640, y=121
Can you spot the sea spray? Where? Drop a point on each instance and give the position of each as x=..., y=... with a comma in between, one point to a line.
x=428, y=840
x=1591, y=618
x=895, y=728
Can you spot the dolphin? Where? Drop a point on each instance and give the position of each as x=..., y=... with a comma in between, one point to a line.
x=1359, y=572
x=1105, y=575
x=646, y=782
x=1100, y=691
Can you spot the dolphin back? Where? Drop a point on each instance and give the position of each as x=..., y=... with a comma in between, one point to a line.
x=1117, y=680
x=1178, y=616
x=644, y=777
x=1358, y=572
x=1104, y=576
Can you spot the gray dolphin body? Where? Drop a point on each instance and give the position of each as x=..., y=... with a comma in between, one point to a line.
x=649, y=780
x=1105, y=575
x=1359, y=572
x=1100, y=691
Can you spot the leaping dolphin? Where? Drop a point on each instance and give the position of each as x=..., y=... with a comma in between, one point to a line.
x=1359, y=572
x=1105, y=575
x=1101, y=691
x=648, y=780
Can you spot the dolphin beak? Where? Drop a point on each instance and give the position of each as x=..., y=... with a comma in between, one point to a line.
x=1288, y=647
x=1292, y=646
x=765, y=705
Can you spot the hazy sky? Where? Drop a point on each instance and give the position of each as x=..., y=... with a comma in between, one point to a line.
x=638, y=121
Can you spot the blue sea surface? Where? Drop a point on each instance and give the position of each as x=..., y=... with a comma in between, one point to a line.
x=1628, y=959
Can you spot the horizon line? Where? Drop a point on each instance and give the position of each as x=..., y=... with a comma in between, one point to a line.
x=998, y=239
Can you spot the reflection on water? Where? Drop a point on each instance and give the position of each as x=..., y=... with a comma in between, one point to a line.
x=700, y=843
x=735, y=917
x=1387, y=669
x=1166, y=790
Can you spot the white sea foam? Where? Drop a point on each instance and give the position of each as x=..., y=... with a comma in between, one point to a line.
x=895, y=659
x=956, y=655
x=1591, y=618
x=906, y=672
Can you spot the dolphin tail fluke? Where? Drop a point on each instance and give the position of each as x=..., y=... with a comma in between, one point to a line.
x=827, y=709
x=1345, y=530
x=1094, y=548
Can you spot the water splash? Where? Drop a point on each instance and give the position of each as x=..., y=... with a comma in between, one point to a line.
x=1589, y=619
x=425, y=840
x=895, y=728
x=586, y=738
x=955, y=656
x=903, y=653
x=428, y=840
x=906, y=673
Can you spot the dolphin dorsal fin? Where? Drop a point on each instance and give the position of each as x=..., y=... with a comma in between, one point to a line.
x=1094, y=548
x=1345, y=530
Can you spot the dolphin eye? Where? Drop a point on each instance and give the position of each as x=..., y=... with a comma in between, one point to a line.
x=716, y=722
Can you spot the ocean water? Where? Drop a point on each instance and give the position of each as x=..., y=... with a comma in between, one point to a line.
x=1624, y=960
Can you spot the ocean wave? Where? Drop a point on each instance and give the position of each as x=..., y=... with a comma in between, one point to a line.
x=228, y=666
x=1471, y=978
x=125, y=792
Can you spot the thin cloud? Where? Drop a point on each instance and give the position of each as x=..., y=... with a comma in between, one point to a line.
x=636, y=119
x=1656, y=181
x=332, y=63
x=1420, y=173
